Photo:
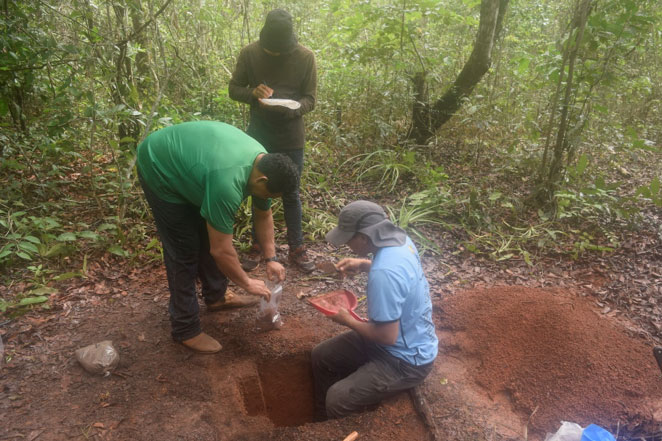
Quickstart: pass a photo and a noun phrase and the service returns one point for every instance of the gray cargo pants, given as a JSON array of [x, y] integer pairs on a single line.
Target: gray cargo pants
[[352, 375]]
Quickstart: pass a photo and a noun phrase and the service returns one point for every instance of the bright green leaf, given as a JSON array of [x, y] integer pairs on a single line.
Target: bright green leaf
[[66, 237], [43, 290], [32, 239], [581, 164], [29, 247], [117, 250], [655, 186], [527, 257], [67, 276], [55, 250], [23, 255], [6, 251], [495, 195], [32, 300], [87, 234]]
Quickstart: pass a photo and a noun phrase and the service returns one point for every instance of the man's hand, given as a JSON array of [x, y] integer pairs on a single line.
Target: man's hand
[[343, 317], [351, 266], [275, 271], [263, 91], [381, 333], [258, 288]]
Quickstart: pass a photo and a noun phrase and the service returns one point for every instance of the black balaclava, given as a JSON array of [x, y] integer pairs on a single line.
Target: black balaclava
[[277, 35]]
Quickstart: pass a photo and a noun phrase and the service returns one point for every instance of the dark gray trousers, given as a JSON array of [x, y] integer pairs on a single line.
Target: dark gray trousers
[[185, 241], [292, 210], [352, 375]]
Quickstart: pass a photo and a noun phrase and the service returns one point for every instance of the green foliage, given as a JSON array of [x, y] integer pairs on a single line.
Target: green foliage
[[389, 169], [652, 192], [29, 237], [423, 208], [384, 167], [75, 101], [19, 306], [317, 223], [587, 242]]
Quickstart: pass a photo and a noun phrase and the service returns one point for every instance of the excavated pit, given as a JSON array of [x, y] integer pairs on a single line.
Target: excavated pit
[[281, 389]]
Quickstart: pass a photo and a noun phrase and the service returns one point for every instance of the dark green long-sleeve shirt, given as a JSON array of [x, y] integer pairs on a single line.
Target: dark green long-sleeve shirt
[[293, 76]]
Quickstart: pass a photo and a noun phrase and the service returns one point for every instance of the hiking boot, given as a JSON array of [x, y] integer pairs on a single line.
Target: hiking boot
[[232, 301], [252, 259], [203, 344], [299, 257]]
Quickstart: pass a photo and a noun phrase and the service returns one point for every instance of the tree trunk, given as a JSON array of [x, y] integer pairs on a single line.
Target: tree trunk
[[421, 125], [561, 145], [427, 119], [140, 80]]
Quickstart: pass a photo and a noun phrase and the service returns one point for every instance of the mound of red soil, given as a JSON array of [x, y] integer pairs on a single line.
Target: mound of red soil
[[555, 357]]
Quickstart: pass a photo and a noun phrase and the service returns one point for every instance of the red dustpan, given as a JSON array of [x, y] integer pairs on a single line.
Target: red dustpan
[[332, 302]]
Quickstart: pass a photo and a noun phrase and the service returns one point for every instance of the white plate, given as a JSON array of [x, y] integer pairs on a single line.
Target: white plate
[[290, 104]]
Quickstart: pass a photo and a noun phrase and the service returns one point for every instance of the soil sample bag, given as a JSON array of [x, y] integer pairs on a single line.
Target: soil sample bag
[[268, 317], [567, 432], [98, 358]]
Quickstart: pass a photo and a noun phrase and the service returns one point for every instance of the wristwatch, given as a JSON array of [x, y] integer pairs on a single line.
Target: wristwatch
[[270, 259]]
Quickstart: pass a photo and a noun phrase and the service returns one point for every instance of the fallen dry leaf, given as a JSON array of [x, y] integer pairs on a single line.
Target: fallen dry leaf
[[34, 434]]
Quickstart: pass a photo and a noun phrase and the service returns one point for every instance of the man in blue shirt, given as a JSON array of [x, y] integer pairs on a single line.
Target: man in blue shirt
[[394, 350]]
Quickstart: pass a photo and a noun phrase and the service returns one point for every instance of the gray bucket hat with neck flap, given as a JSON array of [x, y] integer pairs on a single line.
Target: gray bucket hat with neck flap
[[367, 218]]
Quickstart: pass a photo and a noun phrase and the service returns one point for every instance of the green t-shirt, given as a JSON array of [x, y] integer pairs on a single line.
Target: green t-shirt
[[204, 163]]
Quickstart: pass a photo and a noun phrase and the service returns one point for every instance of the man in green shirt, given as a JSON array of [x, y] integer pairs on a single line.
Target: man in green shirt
[[195, 176]]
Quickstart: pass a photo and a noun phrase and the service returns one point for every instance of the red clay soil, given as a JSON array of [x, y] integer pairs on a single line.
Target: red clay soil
[[259, 387], [554, 357], [504, 353]]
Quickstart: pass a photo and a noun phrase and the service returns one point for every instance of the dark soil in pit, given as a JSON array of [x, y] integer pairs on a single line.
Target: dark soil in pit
[[282, 390], [505, 352]]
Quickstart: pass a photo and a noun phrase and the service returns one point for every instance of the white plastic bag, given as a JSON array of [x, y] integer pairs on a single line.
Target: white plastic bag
[[567, 432], [98, 358], [268, 317]]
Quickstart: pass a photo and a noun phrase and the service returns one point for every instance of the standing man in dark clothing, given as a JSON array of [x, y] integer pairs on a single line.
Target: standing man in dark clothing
[[277, 66]]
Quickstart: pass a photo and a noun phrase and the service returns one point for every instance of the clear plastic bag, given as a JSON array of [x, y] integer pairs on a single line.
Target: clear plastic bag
[[567, 432], [98, 358], [268, 317]]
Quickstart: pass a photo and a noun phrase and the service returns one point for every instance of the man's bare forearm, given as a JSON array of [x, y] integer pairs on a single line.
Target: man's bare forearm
[[264, 232]]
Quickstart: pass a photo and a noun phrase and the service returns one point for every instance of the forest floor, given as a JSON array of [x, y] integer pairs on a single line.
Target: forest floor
[[522, 348]]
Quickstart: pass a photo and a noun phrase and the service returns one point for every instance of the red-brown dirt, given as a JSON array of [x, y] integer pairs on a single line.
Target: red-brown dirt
[[505, 353], [259, 387], [552, 356]]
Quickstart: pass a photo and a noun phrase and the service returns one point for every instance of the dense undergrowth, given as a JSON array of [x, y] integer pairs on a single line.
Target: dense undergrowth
[[61, 225], [80, 89]]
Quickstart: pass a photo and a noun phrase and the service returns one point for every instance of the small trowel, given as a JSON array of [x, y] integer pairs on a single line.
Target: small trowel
[[657, 352], [328, 267]]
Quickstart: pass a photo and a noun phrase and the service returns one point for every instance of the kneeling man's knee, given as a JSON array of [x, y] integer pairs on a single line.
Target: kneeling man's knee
[[338, 402]]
